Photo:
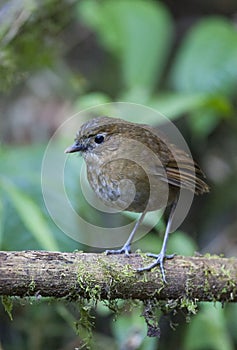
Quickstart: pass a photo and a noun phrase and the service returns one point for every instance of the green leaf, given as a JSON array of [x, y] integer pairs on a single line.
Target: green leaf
[[208, 330], [130, 326], [181, 243], [138, 33], [92, 99], [30, 214], [204, 120], [231, 319], [8, 305], [207, 59], [1, 221], [172, 105]]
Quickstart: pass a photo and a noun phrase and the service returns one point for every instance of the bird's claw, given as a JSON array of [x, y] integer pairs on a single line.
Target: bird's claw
[[126, 250], [160, 256], [159, 261]]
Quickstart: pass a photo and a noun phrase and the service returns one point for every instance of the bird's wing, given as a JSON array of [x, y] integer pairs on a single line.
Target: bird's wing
[[183, 172]]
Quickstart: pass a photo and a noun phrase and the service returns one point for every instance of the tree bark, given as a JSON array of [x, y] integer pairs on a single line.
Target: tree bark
[[97, 276]]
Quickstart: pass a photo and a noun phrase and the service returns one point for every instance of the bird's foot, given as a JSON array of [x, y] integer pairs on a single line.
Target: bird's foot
[[159, 261], [126, 250]]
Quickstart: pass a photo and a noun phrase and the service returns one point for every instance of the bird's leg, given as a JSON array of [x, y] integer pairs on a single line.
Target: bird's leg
[[126, 248], [161, 256]]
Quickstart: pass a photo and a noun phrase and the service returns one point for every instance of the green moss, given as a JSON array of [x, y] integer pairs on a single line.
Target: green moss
[[152, 314], [190, 305], [229, 283], [229, 290], [8, 305], [212, 256], [32, 286], [88, 285], [85, 324], [122, 276]]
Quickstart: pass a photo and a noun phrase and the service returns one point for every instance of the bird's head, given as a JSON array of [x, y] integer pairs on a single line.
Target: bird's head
[[99, 136]]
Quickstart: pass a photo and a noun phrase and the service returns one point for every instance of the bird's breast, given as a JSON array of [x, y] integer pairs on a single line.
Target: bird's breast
[[124, 185]]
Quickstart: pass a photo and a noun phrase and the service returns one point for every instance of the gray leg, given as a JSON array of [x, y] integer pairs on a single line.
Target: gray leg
[[161, 256], [126, 249]]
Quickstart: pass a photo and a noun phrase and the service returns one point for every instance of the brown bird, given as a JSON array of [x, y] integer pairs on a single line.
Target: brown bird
[[133, 167]]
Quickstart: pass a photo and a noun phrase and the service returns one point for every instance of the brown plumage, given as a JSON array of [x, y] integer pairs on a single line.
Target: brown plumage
[[153, 169]]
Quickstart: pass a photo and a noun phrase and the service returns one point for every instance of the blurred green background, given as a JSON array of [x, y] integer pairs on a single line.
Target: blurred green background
[[59, 57]]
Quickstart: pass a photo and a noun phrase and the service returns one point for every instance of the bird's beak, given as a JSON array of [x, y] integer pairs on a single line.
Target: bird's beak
[[73, 148]]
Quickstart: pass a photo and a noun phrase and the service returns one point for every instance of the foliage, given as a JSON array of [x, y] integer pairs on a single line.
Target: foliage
[[191, 79], [30, 215], [25, 44], [25, 222], [121, 28]]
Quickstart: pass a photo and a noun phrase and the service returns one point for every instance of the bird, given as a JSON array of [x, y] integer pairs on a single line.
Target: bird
[[133, 167]]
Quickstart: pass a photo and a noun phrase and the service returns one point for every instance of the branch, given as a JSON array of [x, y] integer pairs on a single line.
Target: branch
[[34, 273]]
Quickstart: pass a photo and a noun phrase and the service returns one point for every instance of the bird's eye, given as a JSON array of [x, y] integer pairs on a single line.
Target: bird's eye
[[99, 139]]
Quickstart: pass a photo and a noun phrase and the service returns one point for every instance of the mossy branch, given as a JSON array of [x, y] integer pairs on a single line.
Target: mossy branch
[[73, 275]]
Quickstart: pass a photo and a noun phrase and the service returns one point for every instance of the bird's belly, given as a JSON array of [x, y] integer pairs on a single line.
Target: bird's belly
[[131, 195]]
